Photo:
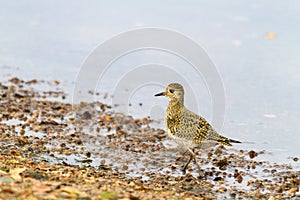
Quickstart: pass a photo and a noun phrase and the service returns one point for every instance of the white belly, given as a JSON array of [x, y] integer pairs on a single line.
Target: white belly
[[181, 141]]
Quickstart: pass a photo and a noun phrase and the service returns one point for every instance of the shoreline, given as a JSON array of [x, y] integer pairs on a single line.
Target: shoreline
[[47, 153]]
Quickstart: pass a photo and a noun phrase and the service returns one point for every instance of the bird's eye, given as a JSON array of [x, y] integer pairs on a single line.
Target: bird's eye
[[171, 90]]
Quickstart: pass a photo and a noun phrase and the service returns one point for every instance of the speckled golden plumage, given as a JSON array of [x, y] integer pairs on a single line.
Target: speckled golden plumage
[[188, 129], [184, 124]]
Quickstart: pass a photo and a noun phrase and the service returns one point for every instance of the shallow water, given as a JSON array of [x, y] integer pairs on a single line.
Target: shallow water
[[260, 71]]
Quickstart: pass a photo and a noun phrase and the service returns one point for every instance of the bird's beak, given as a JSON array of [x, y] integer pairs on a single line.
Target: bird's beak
[[160, 94]]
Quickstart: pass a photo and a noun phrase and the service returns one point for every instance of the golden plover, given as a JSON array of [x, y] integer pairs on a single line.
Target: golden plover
[[186, 128]]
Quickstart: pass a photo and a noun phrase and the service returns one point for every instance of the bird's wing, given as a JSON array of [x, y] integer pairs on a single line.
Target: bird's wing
[[196, 127], [200, 130]]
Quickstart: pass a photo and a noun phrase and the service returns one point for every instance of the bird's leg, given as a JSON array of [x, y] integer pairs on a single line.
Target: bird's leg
[[187, 163], [192, 156], [195, 159]]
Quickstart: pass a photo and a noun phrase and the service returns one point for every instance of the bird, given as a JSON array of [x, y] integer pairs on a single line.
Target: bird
[[186, 128]]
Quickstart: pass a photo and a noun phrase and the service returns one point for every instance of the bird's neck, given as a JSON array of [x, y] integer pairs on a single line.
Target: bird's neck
[[174, 107], [176, 102]]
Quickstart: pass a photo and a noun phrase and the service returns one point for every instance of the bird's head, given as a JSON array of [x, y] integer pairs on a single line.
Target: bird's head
[[174, 92]]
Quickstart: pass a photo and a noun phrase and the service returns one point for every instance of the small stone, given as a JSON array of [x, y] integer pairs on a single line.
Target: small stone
[[292, 191], [252, 154], [63, 145], [278, 189], [271, 198], [295, 159], [120, 133], [22, 131], [108, 118], [222, 164], [124, 167], [88, 154], [218, 178], [86, 115], [222, 189], [239, 178]]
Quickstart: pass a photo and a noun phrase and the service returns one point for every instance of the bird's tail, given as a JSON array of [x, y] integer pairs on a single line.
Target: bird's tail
[[226, 141]]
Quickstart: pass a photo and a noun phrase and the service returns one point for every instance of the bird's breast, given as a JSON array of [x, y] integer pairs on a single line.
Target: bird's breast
[[170, 133]]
